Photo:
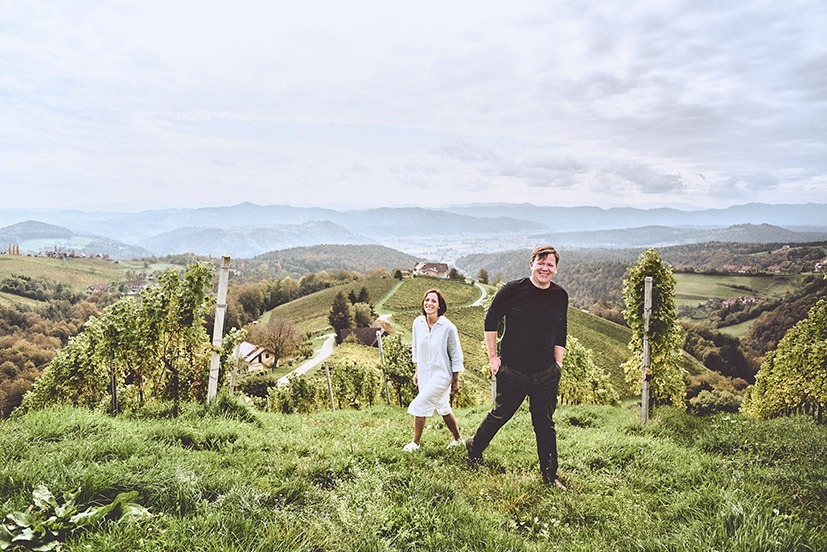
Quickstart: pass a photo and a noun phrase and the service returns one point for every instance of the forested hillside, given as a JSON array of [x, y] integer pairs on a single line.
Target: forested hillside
[[360, 258]]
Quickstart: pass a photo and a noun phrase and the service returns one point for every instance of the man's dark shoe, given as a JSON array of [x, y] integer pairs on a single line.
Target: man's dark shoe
[[553, 481], [474, 460]]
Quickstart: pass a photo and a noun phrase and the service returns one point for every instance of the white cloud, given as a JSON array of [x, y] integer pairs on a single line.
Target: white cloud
[[193, 103]]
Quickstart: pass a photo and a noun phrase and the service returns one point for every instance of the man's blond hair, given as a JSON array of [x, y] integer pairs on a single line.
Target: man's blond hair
[[543, 251]]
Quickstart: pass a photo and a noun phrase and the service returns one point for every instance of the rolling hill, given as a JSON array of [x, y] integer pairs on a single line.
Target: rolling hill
[[34, 237], [317, 258]]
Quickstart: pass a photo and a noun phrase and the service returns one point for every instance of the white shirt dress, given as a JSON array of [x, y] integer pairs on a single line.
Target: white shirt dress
[[437, 354]]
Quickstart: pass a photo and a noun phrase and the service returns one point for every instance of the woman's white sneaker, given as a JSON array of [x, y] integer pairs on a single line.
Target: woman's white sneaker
[[410, 447]]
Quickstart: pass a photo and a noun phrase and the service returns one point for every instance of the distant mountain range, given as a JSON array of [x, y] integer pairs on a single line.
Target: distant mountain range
[[247, 230], [807, 216]]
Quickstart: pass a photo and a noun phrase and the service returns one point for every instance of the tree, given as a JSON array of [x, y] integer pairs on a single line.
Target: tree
[[364, 296], [251, 299], [794, 375], [666, 373], [455, 274], [363, 315], [279, 335], [399, 369], [339, 316], [482, 276]]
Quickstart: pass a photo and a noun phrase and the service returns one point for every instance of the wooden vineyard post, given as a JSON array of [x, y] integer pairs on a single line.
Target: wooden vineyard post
[[218, 328], [384, 374], [647, 312]]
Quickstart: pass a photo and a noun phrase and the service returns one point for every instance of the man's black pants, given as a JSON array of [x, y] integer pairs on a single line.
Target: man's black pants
[[512, 388]]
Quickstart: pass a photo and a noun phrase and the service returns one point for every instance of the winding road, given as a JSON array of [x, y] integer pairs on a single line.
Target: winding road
[[309, 364]]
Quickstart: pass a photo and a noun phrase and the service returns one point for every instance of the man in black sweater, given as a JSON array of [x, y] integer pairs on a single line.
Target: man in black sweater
[[530, 359]]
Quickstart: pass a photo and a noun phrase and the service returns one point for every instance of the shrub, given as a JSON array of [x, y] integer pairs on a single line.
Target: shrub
[[710, 402], [257, 385], [304, 394], [234, 408]]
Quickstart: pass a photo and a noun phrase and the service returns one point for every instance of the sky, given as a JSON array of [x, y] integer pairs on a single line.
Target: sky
[[135, 105]]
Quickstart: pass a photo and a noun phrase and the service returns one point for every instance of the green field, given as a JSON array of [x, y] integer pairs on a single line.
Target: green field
[[737, 330], [409, 295], [226, 480], [693, 289], [78, 274], [310, 312], [25, 302], [608, 342]]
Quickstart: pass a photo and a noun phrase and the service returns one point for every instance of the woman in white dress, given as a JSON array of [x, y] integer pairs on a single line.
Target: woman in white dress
[[438, 359]]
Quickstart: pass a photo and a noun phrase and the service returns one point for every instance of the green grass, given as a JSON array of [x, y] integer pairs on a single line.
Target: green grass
[[309, 313], [25, 302], [339, 481], [409, 295], [77, 274], [737, 330], [692, 289]]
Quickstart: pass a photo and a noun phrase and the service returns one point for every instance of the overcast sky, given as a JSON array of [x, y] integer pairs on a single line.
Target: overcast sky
[[355, 104]]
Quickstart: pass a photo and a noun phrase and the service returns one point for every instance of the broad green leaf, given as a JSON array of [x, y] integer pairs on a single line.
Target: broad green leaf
[[43, 497], [22, 519]]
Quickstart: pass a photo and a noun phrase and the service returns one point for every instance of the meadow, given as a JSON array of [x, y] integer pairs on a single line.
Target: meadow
[[309, 313], [692, 289], [77, 274], [228, 479], [737, 330], [409, 295]]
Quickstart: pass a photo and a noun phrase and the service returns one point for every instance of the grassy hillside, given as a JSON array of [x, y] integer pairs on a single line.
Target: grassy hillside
[[310, 312], [78, 274], [361, 258], [608, 342], [339, 481], [692, 289], [409, 295], [25, 302]]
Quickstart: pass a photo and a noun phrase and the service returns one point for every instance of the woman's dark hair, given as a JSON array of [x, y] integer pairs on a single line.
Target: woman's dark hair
[[443, 306]]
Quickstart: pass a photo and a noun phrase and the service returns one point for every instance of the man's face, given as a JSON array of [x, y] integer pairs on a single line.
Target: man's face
[[543, 269]]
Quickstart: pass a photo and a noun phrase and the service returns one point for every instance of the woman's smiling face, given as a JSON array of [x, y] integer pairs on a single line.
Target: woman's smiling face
[[430, 304]]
